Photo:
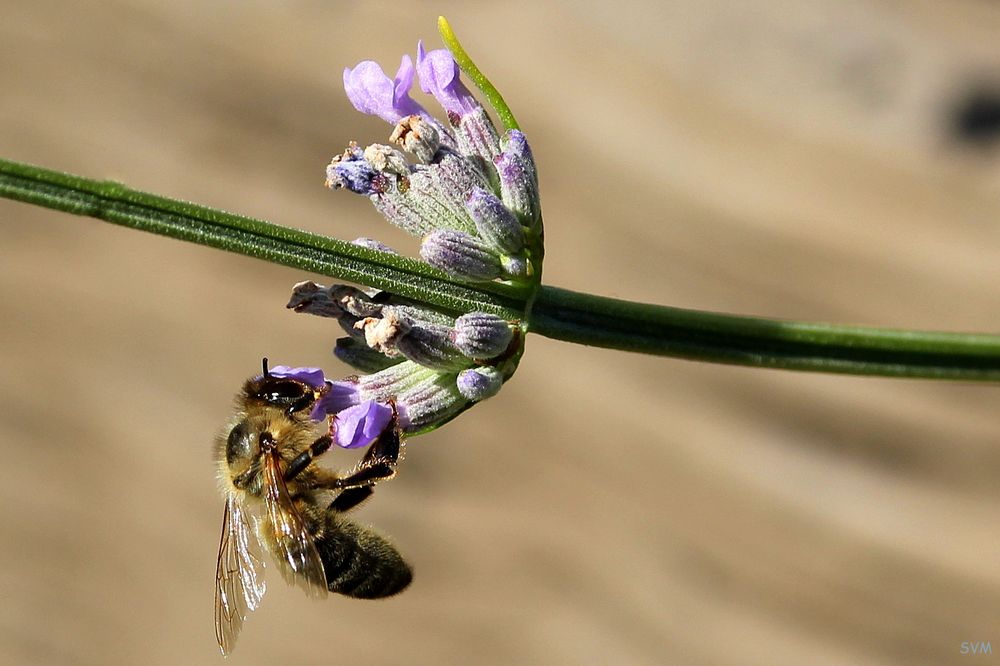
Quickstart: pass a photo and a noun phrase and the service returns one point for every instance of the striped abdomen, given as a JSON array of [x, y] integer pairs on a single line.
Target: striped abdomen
[[359, 562]]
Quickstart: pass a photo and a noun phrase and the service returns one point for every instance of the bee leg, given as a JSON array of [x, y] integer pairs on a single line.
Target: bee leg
[[379, 463], [349, 499], [304, 459]]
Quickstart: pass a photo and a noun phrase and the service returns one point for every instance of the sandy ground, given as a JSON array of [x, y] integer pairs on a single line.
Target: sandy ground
[[798, 160]]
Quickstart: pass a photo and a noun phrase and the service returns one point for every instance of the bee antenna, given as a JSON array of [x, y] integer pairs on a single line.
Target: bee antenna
[[264, 364]]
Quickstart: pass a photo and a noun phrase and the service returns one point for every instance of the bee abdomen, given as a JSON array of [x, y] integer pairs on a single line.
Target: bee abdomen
[[360, 562]]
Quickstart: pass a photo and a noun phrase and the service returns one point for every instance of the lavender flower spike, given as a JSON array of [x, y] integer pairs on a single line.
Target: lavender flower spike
[[371, 91], [439, 77]]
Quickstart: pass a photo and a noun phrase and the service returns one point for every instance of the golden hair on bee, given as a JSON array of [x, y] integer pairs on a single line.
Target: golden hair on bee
[[280, 501]]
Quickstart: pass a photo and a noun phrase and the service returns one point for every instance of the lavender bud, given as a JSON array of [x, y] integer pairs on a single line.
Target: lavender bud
[[479, 383], [494, 221], [360, 356], [430, 346], [518, 178], [418, 136], [481, 336], [477, 137], [461, 255]]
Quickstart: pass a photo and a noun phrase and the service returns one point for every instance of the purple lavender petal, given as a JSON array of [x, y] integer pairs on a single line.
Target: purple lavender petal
[[341, 396], [360, 425], [372, 92], [311, 376], [438, 73], [401, 85]]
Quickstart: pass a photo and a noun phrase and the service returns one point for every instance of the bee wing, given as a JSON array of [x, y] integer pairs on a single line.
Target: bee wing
[[294, 550], [239, 582]]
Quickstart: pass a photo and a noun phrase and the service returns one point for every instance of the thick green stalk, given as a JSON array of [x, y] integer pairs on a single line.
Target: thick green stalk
[[557, 313], [113, 202], [771, 343]]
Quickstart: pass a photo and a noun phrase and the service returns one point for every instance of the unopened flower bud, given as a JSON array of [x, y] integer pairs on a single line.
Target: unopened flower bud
[[360, 356], [418, 136], [518, 178], [494, 221], [478, 384], [430, 346], [461, 255], [481, 336]]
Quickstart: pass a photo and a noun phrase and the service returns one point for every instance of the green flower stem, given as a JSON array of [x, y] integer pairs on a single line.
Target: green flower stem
[[771, 343], [556, 313], [469, 67], [113, 202]]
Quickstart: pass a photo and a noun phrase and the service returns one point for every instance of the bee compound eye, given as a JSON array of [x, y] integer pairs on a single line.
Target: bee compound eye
[[238, 443]]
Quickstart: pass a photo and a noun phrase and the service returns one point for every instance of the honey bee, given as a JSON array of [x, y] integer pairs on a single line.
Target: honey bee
[[277, 499]]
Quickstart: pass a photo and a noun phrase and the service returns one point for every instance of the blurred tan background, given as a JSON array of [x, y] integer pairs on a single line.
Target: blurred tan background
[[828, 160]]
